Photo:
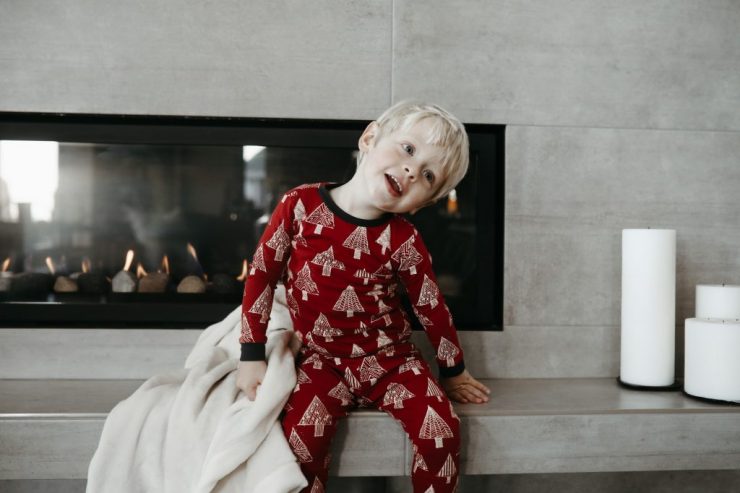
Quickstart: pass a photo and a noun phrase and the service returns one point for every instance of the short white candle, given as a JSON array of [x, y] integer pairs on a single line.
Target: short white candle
[[712, 362], [648, 307], [717, 301]]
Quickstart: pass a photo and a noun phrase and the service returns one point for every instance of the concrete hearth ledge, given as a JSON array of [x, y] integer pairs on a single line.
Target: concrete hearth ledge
[[49, 429]]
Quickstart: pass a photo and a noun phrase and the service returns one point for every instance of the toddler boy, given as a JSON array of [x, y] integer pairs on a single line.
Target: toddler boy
[[342, 249]]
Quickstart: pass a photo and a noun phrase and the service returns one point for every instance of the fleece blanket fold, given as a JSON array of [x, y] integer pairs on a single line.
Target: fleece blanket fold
[[193, 430]]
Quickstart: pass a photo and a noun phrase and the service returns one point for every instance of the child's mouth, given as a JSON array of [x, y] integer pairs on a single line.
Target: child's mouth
[[393, 185]]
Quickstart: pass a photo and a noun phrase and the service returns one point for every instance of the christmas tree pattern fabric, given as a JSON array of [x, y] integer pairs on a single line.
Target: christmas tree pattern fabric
[[342, 276], [401, 385]]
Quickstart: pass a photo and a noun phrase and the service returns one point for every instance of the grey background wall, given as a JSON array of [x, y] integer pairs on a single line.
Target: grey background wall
[[620, 115]]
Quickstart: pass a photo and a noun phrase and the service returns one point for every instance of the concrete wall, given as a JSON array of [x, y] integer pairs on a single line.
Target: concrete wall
[[620, 115]]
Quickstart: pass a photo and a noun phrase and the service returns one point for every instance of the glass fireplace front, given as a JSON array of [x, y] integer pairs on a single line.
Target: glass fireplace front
[[152, 221]]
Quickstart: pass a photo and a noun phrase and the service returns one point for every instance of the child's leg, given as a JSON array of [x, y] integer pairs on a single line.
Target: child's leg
[[310, 418], [426, 414]]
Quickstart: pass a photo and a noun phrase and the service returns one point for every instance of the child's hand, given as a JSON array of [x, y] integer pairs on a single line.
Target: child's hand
[[465, 388], [250, 375]]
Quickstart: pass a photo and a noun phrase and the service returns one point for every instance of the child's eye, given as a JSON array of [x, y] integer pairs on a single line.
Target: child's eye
[[429, 176], [409, 149]]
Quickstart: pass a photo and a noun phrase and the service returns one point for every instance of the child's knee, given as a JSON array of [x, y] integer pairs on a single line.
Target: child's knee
[[438, 438]]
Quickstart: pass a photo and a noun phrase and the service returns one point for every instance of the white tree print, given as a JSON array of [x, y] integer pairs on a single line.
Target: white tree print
[[422, 319], [292, 303], [258, 262], [327, 261], [395, 394], [317, 416], [384, 240], [385, 271], [302, 377], [280, 241], [299, 448], [383, 339], [419, 463], [406, 332], [388, 351], [448, 469], [434, 428], [304, 282], [324, 329], [364, 275], [247, 335], [386, 318], [357, 241], [430, 489], [407, 256], [314, 360], [348, 302], [413, 365], [262, 305], [299, 211], [362, 329], [321, 216], [433, 390], [350, 378], [429, 293], [447, 351], [341, 392], [376, 292], [357, 351], [317, 486], [370, 370]]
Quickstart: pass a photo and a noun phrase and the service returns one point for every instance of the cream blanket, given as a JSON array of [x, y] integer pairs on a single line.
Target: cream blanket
[[192, 430]]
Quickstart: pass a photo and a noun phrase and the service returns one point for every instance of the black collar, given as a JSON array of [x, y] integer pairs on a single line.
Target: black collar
[[324, 192]]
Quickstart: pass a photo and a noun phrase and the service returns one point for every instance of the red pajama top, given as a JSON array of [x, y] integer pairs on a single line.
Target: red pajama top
[[341, 275]]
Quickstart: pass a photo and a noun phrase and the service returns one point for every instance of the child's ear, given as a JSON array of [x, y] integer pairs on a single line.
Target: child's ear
[[367, 139]]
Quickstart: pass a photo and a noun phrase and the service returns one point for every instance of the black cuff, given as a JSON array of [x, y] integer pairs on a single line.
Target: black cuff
[[452, 371], [253, 351]]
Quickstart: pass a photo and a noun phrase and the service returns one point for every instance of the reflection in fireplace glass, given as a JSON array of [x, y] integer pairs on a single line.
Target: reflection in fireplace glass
[[71, 213]]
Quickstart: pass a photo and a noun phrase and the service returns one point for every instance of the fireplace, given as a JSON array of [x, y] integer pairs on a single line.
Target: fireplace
[[151, 221]]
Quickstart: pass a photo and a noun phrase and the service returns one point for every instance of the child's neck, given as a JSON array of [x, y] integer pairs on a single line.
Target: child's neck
[[349, 198]]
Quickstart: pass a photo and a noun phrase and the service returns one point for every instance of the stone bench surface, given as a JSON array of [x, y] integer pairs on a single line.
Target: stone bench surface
[[49, 429]]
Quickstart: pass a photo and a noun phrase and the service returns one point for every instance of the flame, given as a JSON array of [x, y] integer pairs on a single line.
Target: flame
[[191, 251], [50, 265], [86, 265], [243, 276], [140, 272], [129, 259], [452, 202], [6, 264], [165, 265]]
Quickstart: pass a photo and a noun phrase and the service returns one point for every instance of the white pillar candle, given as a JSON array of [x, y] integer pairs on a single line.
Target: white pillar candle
[[712, 362], [648, 307], [717, 301]]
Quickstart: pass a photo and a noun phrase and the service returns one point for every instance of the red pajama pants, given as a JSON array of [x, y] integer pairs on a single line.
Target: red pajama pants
[[401, 385]]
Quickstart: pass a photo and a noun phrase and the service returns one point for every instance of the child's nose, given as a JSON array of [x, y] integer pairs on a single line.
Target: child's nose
[[410, 171]]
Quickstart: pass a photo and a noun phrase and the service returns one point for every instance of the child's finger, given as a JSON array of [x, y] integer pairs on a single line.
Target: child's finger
[[477, 394]]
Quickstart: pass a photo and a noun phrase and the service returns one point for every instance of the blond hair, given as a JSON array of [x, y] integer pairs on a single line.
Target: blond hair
[[446, 131]]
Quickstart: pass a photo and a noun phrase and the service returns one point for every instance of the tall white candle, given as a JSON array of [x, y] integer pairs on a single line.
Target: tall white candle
[[648, 307], [717, 301], [712, 362]]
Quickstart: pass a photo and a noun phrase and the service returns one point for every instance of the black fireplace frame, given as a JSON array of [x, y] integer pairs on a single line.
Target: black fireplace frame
[[486, 142]]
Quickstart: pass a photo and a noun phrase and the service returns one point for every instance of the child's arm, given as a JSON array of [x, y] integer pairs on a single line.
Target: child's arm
[[414, 267], [268, 263]]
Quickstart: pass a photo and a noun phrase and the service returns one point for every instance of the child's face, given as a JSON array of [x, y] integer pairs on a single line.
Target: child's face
[[401, 171]]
